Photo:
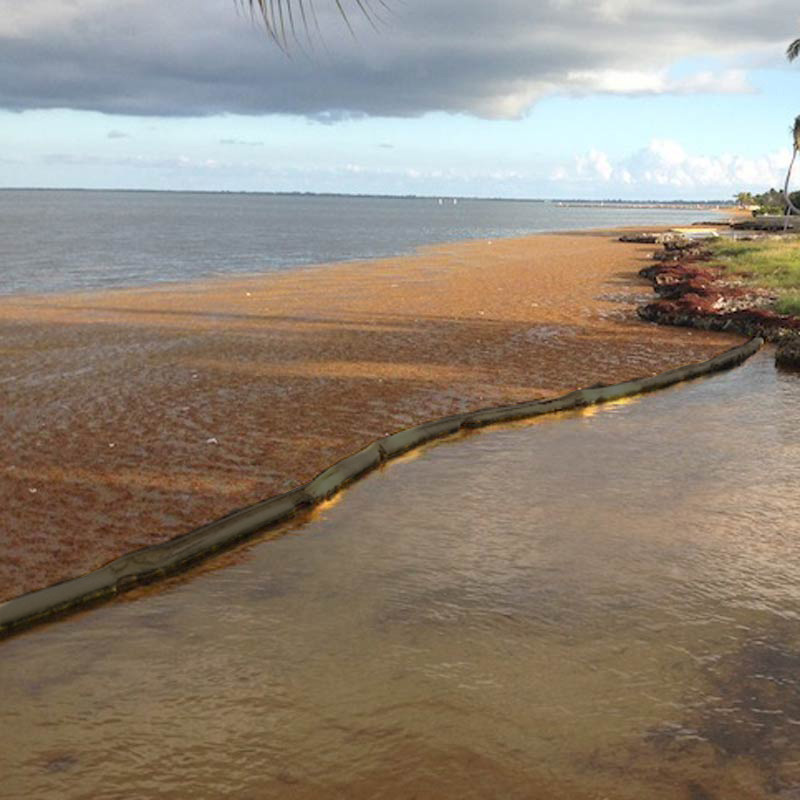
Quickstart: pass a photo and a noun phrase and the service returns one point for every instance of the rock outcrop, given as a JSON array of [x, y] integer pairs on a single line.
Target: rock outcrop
[[702, 297], [651, 238], [788, 352]]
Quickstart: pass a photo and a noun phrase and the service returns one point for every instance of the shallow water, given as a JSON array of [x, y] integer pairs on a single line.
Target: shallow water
[[599, 605]]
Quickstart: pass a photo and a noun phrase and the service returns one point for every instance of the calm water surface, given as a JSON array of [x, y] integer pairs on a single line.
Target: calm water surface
[[600, 605], [71, 240]]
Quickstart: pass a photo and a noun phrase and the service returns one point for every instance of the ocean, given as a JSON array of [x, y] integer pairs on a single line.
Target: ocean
[[56, 241]]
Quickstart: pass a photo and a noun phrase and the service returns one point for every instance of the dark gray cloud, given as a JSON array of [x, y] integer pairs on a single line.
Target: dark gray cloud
[[494, 59]]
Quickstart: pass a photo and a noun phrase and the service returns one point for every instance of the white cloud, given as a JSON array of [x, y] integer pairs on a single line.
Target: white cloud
[[617, 81], [667, 151], [594, 164], [242, 142], [180, 162], [637, 82], [730, 81], [665, 165]]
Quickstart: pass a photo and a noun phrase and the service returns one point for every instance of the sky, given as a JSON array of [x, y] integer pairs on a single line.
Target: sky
[[598, 99]]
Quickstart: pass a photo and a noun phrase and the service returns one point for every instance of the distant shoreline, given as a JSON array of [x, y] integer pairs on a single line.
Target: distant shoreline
[[710, 205]]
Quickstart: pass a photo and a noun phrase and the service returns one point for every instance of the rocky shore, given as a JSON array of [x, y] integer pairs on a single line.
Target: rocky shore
[[694, 293]]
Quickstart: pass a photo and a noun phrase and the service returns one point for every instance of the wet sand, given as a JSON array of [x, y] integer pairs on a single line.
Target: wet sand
[[132, 416]]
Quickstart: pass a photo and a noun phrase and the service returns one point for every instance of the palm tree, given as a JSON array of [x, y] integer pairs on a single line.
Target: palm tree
[[284, 18], [792, 52], [791, 208]]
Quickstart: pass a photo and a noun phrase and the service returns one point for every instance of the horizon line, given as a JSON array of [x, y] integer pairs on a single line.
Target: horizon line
[[298, 193]]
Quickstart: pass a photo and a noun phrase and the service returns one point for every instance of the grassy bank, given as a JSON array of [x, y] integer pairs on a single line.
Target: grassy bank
[[772, 264]]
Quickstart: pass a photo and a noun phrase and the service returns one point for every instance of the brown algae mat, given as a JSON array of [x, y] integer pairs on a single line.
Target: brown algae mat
[[132, 416]]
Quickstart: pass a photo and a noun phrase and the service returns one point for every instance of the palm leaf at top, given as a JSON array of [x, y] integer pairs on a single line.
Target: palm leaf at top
[[286, 20]]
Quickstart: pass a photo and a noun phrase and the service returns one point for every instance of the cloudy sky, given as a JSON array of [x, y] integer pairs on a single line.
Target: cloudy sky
[[514, 98]]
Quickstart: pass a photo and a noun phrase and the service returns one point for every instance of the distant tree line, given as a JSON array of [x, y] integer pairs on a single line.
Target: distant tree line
[[770, 202]]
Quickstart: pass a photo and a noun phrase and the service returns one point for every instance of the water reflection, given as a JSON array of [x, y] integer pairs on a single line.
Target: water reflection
[[600, 605]]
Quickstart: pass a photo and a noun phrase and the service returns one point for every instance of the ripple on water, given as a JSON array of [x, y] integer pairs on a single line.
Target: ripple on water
[[599, 605]]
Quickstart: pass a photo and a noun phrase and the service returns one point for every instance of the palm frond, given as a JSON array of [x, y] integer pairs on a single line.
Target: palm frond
[[793, 50], [278, 17]]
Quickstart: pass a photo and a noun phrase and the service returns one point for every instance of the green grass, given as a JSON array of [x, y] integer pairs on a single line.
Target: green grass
[[773, 263], [788, 303]]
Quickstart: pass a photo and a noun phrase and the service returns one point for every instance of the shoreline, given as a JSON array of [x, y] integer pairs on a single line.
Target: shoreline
[[693, 290], [184, 240], [133, 416], [158, 562], [223, 279]]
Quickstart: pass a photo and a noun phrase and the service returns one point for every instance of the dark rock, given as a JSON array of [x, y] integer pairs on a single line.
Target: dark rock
[[694, 311], [698, 792], [648, 273], [652, 238], [676, 273], [640, 238], [683, 252], [667, 255], [768, 222], [700, 298], [788, 353]]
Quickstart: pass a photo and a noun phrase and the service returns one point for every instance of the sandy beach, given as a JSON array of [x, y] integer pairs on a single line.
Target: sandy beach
[[132, 416]]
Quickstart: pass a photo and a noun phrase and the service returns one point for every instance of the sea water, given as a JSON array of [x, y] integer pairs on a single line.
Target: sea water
[[598, 604], [55, 241]]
